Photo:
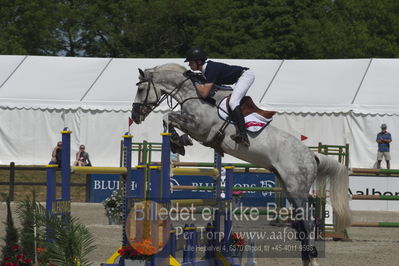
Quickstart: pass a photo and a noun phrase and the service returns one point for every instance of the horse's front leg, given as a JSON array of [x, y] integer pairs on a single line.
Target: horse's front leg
[[171, 121]]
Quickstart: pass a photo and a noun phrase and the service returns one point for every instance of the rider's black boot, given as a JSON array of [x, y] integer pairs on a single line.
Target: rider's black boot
[[241, 134]]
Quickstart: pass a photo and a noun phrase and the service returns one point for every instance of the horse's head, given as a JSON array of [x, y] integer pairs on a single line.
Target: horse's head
[[150, 88], [147, 96]]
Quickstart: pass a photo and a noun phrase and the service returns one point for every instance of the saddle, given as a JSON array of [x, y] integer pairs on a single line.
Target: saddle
[[248, 107], [256, 119]]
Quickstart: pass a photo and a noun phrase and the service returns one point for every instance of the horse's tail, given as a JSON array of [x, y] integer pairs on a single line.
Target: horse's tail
[[338, 177]]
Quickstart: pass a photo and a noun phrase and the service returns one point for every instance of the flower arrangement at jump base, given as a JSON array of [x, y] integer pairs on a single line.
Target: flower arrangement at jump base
[[114, 207], [237, 244], [237, 195], [19, 259], [141, 251]]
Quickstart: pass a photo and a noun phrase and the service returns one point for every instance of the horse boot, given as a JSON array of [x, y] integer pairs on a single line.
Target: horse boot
[[241, 134]]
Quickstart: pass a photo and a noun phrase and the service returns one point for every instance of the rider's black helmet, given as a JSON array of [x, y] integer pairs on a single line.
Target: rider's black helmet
[[195, 54]]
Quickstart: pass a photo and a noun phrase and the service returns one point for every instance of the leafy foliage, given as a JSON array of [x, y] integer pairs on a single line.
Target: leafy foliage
[[59, 241], [10, 249], [70, 241], [225, 28], [27, 216]]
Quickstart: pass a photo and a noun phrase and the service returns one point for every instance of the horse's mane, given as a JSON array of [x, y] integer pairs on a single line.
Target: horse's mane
[[170, 67]]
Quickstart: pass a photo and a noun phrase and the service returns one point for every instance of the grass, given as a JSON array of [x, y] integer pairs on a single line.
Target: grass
[[78, 194]]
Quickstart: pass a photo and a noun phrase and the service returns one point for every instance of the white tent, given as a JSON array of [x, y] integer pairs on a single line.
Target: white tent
[[329, 101]]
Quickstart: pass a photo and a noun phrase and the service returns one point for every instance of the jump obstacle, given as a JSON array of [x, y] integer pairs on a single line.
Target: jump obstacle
[[61, 206], [366, 171], [157, 189]]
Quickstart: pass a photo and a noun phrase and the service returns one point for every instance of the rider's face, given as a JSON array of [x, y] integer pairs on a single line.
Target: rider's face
[[194, 65]]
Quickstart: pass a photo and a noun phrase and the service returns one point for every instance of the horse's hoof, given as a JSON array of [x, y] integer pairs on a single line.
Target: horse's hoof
[[310, 262], [175, 137], [181, 150], [313, 262], [173, 147], [186, 140], [177, 149]]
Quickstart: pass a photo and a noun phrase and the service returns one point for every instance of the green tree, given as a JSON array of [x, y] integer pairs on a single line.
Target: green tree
[[247, 29], [137, 28], [350, 29], [226, 29], [27, 27], [69, 16]]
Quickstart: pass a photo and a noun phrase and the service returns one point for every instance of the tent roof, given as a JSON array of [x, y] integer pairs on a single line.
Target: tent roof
[[316, 86]]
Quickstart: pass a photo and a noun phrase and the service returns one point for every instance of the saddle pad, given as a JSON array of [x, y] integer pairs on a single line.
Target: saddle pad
[[253, 122]]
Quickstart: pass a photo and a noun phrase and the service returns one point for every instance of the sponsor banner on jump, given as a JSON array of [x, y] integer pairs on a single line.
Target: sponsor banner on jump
[[374, 185], [102, 185], [245, 180]]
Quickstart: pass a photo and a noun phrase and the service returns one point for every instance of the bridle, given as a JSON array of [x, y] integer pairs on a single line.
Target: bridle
[[145, 102], [169, 96]]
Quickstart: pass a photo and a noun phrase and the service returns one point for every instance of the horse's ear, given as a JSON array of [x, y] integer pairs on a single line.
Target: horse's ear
[[141, 73]]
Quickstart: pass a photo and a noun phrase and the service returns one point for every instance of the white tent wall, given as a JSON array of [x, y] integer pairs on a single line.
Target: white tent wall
[[315, 86], [324, 128], [357, 130], [28, 136], [101, 133], [329, 101], [363, 130], [26, 142]]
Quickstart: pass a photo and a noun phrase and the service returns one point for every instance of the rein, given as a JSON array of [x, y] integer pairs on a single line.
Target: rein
[[219, 136], [168, 96]]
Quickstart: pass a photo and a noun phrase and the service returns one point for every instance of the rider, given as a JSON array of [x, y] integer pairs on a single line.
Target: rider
[[217, 73]]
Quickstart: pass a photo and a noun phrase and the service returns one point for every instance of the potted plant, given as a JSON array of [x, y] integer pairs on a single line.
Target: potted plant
[[114, 207], [137, 255]]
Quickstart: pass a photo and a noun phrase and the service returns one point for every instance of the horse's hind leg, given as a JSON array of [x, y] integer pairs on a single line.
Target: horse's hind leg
[[305, 225], [296, 186]]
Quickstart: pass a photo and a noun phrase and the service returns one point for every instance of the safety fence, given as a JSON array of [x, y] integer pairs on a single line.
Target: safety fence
[[9, 178]]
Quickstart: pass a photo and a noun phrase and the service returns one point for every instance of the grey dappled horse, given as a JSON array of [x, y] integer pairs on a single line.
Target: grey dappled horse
[[294, 164]]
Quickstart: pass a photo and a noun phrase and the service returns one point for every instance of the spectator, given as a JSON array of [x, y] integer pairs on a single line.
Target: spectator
[[383, 140], [82, 157], [56, 155]]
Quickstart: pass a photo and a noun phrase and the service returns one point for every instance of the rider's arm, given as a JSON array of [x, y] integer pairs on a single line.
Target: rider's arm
[[203, 89]]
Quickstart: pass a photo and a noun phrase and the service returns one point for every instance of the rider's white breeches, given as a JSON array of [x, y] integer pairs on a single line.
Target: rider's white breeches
[[241, 87]]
